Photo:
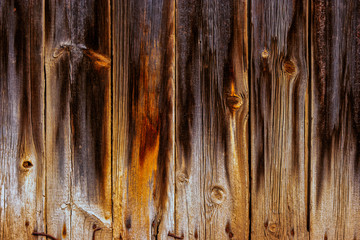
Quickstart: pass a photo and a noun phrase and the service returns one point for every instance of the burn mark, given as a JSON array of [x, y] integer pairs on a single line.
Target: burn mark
[[336, 88], [188, 81], [165, 103], [89, 117], [262, 95]]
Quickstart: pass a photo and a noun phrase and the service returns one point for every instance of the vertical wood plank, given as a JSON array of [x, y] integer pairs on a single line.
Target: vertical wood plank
[[279, 78], [335, 126], [143, 129], [225, 111], [212, 181], [22, 174], [78, 117], [189, 194], [58, 128]]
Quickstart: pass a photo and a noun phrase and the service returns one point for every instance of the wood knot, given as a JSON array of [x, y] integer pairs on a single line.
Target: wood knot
[[289, 67], [182, 177], [266, 224], [128, 222], [234, 102], [27, 164], [265, 54], [217, 195], [273, 227]]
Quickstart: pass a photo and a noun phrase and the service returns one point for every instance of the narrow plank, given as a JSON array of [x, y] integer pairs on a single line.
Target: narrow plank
[[22, 174], [58, 128], [78, 97], [335, 126], [143, 129], [279, 80], [189, 194], [225, 110], [212, 181]]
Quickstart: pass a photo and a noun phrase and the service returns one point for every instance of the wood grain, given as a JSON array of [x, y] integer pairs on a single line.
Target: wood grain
[[143, 129], [212, 180], [335, 126], [279, 79], [189, 195], [22, 85], [78, 118]]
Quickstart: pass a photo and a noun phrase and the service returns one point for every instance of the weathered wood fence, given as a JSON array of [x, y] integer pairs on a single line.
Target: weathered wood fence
[[180, 119]]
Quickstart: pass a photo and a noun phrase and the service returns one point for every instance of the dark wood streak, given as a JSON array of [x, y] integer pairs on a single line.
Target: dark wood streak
[[22, 137], [144, 133], [77, 62], [335, 113], [90, 95], [278, 119], [189, 129], [212, 110]]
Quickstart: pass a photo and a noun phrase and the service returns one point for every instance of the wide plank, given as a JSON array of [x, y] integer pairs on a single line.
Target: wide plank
[[335, 126], [279, 111], [212, 174], [143, 118], [189, 194], [22, 138], [78, 118]]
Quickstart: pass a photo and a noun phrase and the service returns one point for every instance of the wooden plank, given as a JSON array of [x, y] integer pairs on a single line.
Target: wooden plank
[[335, 126], [143, 129], [189, 195], [279, 78], [78, 117], [58, 128], [22, 174], [212, 181]]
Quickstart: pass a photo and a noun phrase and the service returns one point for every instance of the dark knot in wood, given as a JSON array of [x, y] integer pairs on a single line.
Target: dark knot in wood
[[27, 164], [289, 67], [234, 102]]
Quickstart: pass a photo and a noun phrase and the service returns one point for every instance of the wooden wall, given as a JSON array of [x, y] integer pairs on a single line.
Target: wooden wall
[[180, 119]]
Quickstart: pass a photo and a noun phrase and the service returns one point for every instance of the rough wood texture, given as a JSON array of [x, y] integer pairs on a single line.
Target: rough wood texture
[[189, 194], [143, 120], [21, 119], [78, 118], [211, 127], [279, 77], [335, 128], [130, 119]]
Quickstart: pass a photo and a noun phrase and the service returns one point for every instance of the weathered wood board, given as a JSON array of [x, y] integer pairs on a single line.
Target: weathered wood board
[[22, 168], [279, 80], [129, 119], [212, 177], [335, 126], [143, 118], [78, 118]]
